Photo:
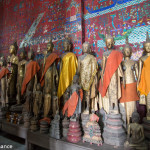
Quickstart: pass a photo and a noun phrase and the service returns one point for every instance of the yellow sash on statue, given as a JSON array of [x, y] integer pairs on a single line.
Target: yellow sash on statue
[[69, 67], [144, 85]]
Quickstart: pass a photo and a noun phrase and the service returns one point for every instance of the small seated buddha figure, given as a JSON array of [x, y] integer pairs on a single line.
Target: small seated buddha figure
[[135, 137]]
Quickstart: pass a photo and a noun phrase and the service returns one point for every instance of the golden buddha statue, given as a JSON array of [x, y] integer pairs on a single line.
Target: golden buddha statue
[[68, 67], [109, 86], [12, 78], [135, 135], [21, 73], [47, 102], [143, 79], [29, 83], [37, 102], [49, 77], [31, 70], [55, 105], [87, 70], [3, 75], [129, 89]]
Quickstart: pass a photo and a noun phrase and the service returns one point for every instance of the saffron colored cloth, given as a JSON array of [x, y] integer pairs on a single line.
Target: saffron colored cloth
[[94, 117], [49, 61], [144, 85], [71, 104], [3, 72], [112, 64], [68, 70], [31, 69], [81, 94], [129, 93]]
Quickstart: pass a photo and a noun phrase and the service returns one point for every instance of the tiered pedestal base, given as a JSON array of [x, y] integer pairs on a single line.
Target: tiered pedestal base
[[65, 127], [74, 132], [85, 119], [146, 125], [114, 133], [92, 133], [55, 129]]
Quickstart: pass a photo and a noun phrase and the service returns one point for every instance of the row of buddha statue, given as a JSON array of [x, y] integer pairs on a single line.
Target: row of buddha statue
[[71, 86]]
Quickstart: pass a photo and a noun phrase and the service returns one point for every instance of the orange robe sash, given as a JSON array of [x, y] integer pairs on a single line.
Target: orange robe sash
[[49, 61], [144, 85], [31, 69], [112, 64], [129, 93], [3, 72], [71, 104]]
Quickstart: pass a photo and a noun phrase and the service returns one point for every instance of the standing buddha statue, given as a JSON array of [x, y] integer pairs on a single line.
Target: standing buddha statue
[[129, 89], [12, 78], [49, 77], [68, 67], [87, 70], [30, 78], [21, 73], [110, 77], [3, 74], [143, 79], [37, 104]]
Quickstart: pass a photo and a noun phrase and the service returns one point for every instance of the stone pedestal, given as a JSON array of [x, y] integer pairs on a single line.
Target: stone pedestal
[[55, 127], [26, 120], [65, 127], [74, 132], [34, 125], [146, 125], [84, 120], [114, 133], [44, 126]]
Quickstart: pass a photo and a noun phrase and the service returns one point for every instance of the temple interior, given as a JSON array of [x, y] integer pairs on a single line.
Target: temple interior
[[74, 74]]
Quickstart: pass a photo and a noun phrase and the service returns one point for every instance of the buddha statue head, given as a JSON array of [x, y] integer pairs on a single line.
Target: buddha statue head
[[2, 61], [127, 50], [86, 47], [22, 53], [13, 48], [146, 45], [67, 45], [135, 117], [109, 40], [50, 46], [31, 54]]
